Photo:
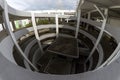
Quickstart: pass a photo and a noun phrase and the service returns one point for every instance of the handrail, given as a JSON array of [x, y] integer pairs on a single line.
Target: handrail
[[72, 28], [111, 58], [101, 32], [44, 26], [78, 18], [36, 32]]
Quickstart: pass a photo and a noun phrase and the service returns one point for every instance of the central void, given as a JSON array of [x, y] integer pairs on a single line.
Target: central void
[[62, 57], [65, 46]]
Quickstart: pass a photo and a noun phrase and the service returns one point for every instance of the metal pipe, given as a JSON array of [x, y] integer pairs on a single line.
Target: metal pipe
[[7, 24], [78, 18], [88, 17], [101, 32], [36, 32], [78, 23], [99, 10]]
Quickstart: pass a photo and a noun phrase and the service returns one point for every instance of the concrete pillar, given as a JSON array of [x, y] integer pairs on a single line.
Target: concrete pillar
[[57, 25], [84, 24], [67, 20], [88, 17], [61, 19], [48, 12]]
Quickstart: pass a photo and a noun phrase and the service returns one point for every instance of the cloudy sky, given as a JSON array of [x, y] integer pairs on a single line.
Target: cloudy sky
[[42, 4]]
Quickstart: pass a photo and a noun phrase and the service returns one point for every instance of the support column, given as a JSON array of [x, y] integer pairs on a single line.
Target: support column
[[84, 24], [62, 13], [78, 23], [36, 32], [57, 25], [67, 20], [61, 19], [88, 17], [78, 17], [7, 25], [101, 32]]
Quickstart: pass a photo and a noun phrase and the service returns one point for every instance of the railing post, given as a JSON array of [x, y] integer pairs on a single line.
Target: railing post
[[78, 17], [88, 17], [104, 16], [36, 32], [67, 20], [57, 25], [7, 25]]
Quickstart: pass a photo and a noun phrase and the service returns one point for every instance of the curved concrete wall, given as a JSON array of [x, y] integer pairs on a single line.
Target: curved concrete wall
[[8, 53], [10, 71]]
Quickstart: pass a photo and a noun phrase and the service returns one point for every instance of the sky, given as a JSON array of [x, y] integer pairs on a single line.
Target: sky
[[27, 5]]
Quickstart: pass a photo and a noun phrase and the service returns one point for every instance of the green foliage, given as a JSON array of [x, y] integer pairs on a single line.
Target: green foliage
[[42, 22], [28, 25], [45, 21]]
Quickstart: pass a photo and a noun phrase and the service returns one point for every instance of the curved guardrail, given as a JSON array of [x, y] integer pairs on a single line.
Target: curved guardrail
[[22, 32]]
